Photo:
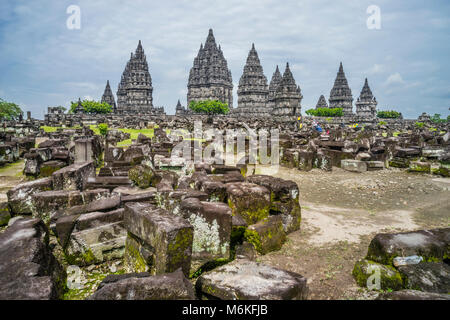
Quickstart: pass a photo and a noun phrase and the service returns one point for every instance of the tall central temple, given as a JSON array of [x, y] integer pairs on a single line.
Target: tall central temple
[[210, 78], [135, 87]]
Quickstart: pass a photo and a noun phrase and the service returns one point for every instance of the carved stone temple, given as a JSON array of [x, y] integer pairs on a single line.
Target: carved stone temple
[[210, 78], [108, 97], [322, 103], [366, 105], [288, 96], [341, 95], [135, 88]]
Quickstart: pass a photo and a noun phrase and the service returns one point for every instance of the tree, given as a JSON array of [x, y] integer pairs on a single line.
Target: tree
[[209, 107], [9, 110], [90, 106], [437, 118]]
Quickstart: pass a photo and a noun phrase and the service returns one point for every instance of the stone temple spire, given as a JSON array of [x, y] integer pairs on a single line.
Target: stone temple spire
[[322, 103], [253, 89], [366, 105], [274, 82], [108, 97], [288, 95], [135, 87], [341, 95], [209, 77]]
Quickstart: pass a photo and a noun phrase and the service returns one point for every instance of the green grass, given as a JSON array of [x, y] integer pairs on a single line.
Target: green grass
[[54, 129]]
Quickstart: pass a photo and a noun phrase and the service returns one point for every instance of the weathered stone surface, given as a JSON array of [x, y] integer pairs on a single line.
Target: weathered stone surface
[[96, 237], [20, 197], [412, 295], [427, 276], [169, 235], [212, 222], [29, 271], [375, 165], [5, 215], [47, 168], [46, 205], [143, 176], [354, 165], [284, 195], [267, 235], [247, 280], [249, 200], [102, 204], [432, 245], [168, 286], [73, 177], [390, 278], [418, 166]]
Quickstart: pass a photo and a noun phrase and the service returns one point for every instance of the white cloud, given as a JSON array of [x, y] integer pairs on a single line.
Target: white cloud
[[394, 78]]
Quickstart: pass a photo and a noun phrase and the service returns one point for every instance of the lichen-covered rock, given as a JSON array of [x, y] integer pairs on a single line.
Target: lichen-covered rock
[[412, 295], [168, 286], [92, 237], [5, 215], [212, 222], [284, 195], [389, 277], [432, 245], [20, 197], [29, 271], [47, 204], [427, 276], [73, 177], [249, 200], [247, 280], [267, 235], [354, 165], [143, 176], [418, 166], [47, 168], [169, 235]]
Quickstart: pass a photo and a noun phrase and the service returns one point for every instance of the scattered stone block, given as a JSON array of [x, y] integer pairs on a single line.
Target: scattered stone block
[[20, 197], [354, 165], [412, 295], [375, 165], [248, 280], [418, 166], [168, 286], [267, 235], [47, 168], [390, 278], [427, 276], [170, 236], [73, 177], [249, 200]]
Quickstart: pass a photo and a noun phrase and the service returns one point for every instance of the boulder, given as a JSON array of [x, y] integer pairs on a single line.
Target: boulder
[[412, 295], [390, 278], [248, 280], [427, 276]]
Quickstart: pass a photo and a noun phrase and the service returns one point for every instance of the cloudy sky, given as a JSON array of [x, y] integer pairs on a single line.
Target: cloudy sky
[[43, 63]]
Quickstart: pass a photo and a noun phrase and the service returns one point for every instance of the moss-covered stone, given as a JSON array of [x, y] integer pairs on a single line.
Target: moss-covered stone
[[5, 215], [143, 176], [267, 235], [389, 277]]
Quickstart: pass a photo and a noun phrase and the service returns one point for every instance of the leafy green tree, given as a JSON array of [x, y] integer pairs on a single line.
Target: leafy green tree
[[209, 107], [390, 114], [103, 128], [9, 110], [92, 107], [437, 118], [325, 112]]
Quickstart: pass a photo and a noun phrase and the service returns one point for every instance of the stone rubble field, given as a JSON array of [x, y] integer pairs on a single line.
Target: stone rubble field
[[89, 219]]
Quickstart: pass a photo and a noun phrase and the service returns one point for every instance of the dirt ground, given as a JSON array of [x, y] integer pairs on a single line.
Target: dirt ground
[[342, 211]]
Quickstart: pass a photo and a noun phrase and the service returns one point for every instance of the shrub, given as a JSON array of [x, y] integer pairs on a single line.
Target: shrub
[[92, 107], [325, 112], [209, 107], [419, 124], [391, 114], [382, 123], [9, 110], [103, 128]]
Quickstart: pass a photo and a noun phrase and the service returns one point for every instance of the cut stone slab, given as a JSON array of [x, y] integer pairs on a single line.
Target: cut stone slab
[[267, 235], [169, 235], [29, 271], [390, 278], [73, 177], [354, 165], [102, 204], [427, 276], [20, 197], [432, 245], [168, 286], [375, 165], [249, 200], [248, 280], [47, 204], [47, 168], [212, 222], [412, 295], [418, 166]]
